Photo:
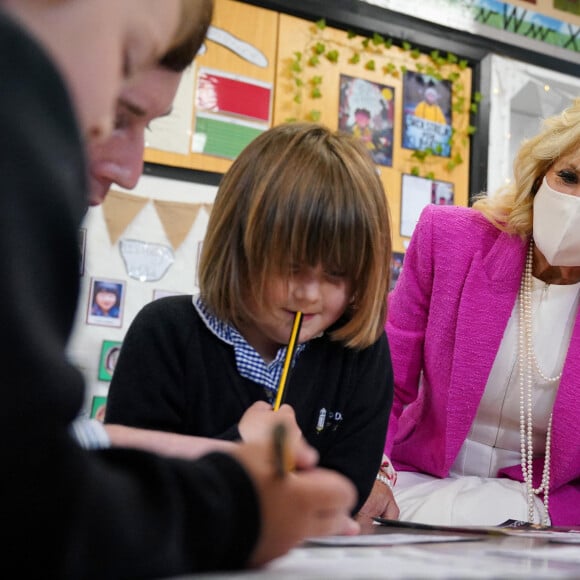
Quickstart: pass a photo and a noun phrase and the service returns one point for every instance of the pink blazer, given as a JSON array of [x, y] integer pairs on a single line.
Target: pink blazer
[[446, 319]]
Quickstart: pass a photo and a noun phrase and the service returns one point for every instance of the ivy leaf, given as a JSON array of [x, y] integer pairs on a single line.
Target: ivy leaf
[[430, 176], [298, 98], [406, 46], [388, 42], [316, 81], [298, 55], [462, 64], [471, 130], [315, 93], [350, 34], [318, 48], [355, 58], [451, 58], [415, 171], [377, 39], [415, 53], [477, 96], [434, 54], [314, 116], [365, 42], [332, 55], [370, 65], [298, 81], [313, 60], [295, 67], [321, 24], [473, 107]]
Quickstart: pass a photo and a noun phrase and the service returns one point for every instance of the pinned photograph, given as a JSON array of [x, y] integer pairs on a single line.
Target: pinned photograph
[[98, 408], [417, 192], [427, 113], [106, 302], [366, 110], [108, 361]]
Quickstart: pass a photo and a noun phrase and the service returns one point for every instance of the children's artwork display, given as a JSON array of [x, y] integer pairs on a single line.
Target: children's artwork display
[[366, 110], [427, 113], [416, 193], [231, 110]]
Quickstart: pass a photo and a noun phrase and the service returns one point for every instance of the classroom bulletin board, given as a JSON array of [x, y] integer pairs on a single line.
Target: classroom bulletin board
[[252, 52]]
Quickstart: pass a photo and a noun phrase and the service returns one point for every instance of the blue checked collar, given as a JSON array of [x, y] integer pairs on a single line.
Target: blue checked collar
[[248, 362]]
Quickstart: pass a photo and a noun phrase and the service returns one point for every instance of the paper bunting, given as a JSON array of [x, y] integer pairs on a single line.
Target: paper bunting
[[177, 218], [120, 209]]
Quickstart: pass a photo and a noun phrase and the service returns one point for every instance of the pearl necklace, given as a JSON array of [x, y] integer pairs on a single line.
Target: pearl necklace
[[528, 363]]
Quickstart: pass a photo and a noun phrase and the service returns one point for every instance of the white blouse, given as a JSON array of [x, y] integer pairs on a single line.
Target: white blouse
[[493, 441]]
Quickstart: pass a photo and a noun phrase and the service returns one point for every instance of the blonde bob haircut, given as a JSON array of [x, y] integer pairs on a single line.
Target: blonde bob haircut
[[300, 194], [511, 208]]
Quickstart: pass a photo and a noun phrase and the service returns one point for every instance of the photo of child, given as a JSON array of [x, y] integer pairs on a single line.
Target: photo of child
[[106, 302], [427, 113], [366, 110]]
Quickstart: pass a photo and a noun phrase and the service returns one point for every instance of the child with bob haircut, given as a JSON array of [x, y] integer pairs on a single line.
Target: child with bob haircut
[[300, 223]]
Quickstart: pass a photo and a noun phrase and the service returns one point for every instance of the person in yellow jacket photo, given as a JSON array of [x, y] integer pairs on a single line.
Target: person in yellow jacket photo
[[428, 108]]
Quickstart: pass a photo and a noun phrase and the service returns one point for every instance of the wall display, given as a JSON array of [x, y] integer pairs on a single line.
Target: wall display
[[416, 193], [366, 109], [318, 63], [108, 360], [231, 111], [240, 55], [533, 28], [106, 302], [427, 113], [145, 261]]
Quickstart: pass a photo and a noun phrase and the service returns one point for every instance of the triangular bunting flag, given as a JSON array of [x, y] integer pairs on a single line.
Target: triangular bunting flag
[[120, 209], [177, 219]]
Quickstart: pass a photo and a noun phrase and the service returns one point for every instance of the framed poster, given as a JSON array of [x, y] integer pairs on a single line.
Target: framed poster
[[366, 110]]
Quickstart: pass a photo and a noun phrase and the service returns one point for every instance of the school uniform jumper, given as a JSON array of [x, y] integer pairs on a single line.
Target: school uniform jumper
[[174, 374]]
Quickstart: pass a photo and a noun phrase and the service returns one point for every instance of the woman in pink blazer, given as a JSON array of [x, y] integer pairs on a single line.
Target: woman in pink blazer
[[485, 341]]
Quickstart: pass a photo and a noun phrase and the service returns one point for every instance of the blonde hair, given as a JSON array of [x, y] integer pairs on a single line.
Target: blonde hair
[[300, 194], [511, 208]]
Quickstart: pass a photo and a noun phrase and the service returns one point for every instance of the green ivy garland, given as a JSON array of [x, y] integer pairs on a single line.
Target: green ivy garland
[[318, 48]]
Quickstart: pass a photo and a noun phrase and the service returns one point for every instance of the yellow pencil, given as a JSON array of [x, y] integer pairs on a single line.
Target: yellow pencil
[[288, 360]]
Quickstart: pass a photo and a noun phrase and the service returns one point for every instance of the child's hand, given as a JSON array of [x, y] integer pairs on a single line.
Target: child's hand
[[257, 423], [314, 502]]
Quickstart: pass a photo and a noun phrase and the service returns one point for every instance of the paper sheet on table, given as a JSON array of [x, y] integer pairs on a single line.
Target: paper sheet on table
[[560, 554], [386, 539]]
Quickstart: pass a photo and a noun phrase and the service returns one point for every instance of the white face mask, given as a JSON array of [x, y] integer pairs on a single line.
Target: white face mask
[[557, 226]]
